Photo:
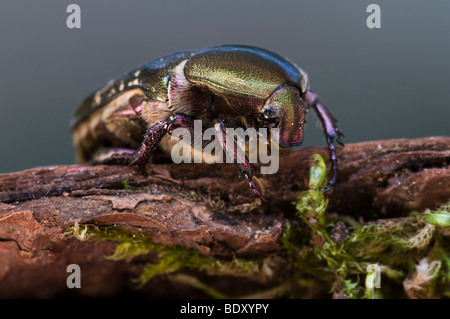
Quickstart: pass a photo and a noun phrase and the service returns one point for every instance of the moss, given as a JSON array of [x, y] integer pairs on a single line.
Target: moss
[[377, 243], [326, 254], [397, 148], [130, 187], [170, 258]]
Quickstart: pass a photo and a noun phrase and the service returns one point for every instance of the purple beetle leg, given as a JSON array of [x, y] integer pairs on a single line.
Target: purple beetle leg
[[239, 157], [331, 131], [155, 134], [113, 156]]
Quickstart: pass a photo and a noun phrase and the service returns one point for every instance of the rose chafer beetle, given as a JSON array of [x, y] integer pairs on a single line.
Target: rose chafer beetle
[[228, 86]]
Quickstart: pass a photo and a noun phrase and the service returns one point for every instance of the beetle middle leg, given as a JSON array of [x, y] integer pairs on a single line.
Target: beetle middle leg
[[240, 158], [156, 133], [331, 131]]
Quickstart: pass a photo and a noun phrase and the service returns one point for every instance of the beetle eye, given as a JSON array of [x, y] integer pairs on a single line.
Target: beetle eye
[[269, 112]]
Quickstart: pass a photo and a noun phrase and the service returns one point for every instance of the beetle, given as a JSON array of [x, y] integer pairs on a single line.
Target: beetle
[[228, 86]]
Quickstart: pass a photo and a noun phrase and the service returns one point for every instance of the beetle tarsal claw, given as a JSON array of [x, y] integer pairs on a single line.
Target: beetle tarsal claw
[[337, 136], [256, 186], [325, 188]]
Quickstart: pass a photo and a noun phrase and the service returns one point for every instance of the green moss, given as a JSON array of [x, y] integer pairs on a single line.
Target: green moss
[[397, 148], [130, 187], [439, 217], [322, 252], [380, 242], [170, 258]]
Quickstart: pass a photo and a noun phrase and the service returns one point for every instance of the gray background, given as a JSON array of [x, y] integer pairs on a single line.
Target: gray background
[[383, 83]]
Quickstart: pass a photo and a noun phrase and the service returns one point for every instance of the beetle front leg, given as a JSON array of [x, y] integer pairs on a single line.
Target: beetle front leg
[[331, 131], [156, 133], [239, 157]]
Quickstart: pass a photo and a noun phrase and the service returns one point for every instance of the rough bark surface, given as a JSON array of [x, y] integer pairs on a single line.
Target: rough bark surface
[[206, 207]]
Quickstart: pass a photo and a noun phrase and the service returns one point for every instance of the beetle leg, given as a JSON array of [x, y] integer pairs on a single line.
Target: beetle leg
[[239, 157], [155, 134], [113, 156], [331, 131]]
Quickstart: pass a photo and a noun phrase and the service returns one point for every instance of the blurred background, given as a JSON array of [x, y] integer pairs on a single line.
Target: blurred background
[[383, 83]]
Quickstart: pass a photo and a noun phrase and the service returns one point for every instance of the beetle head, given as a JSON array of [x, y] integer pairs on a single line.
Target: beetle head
[[286, 108]]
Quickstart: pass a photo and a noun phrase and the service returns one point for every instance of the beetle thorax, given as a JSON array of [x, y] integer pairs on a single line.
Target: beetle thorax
[[184, 96]]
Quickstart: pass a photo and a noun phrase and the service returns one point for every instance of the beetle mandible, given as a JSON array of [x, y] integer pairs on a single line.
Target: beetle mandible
[[226, 86]]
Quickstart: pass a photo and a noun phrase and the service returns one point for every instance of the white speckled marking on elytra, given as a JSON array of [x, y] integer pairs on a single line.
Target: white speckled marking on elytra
[[137, 73], [122, 86], [97, 98]]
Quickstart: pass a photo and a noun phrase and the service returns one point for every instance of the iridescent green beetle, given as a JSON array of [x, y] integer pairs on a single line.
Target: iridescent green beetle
[[224, 86]]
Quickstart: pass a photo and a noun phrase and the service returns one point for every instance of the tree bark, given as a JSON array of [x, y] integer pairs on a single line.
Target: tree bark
[[205, 207]]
